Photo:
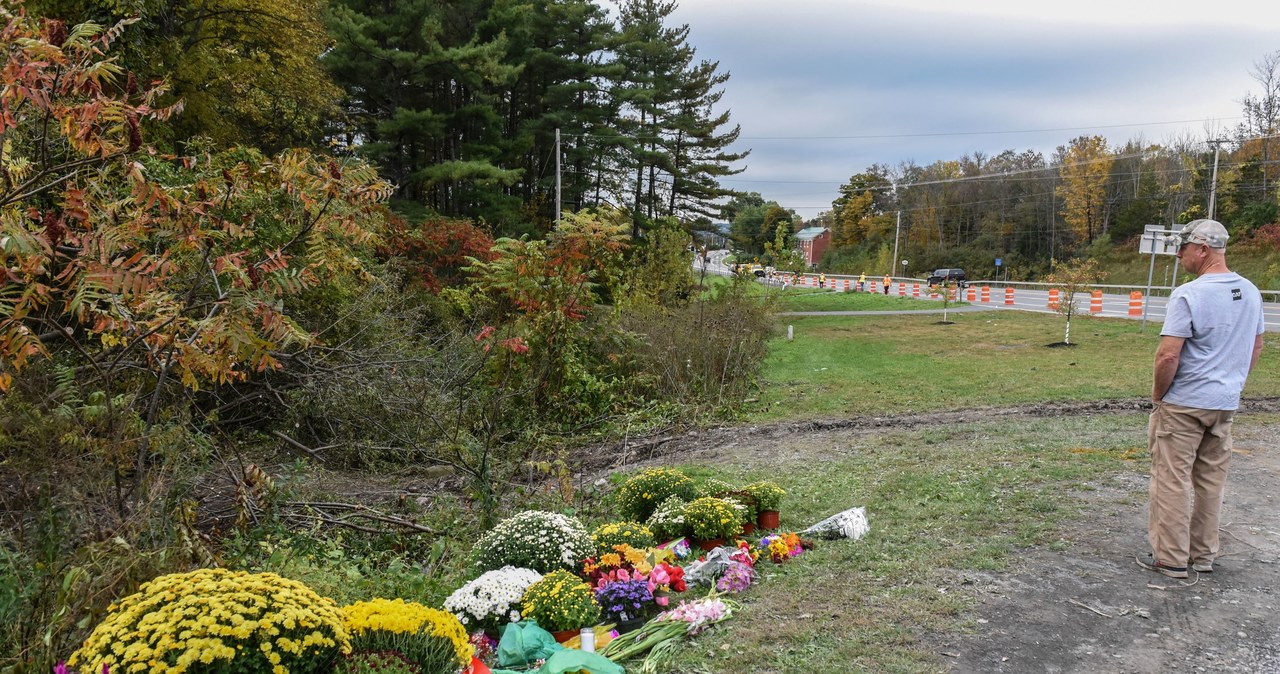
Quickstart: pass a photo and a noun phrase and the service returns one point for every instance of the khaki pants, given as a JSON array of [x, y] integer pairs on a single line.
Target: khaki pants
[[1190, 449]]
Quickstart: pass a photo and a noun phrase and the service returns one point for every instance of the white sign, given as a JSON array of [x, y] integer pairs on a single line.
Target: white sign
[[1156, 240]]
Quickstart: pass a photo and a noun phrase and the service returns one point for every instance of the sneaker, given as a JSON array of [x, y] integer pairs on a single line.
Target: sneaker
[[1149, 562], [1202, 567]]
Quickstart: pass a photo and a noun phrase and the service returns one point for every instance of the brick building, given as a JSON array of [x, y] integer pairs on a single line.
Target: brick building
[[812, 242]]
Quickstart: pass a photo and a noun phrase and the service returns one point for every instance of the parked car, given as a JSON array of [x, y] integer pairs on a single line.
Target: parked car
[[956, 276]]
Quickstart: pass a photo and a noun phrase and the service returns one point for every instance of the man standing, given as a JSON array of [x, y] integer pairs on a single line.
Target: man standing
[[862, 282], [887, 281], [1211, 339]]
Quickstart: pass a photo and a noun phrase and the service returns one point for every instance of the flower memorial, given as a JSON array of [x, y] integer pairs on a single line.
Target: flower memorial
[[612, 534], [214, 620], [430, 638], [640, 495], [493, 599], [710, 518], [535, 540], [561, 601]]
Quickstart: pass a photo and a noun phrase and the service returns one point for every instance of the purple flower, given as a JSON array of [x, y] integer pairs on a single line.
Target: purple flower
[[736, 578], [624, 597]]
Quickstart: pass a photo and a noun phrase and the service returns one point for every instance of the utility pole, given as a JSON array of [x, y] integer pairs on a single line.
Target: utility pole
[[1213, 182], [557, 175], [896, 230]]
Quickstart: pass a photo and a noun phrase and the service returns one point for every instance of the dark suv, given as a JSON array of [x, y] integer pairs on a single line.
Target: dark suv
[[955, 276]]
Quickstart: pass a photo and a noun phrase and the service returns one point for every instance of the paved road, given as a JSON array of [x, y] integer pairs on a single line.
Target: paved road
[[1024, 299]]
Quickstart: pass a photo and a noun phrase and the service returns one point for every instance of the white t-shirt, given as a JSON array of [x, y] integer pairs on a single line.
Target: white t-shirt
[[1220, 315]]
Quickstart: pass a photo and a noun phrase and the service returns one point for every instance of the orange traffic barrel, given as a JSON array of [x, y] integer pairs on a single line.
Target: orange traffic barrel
[[915, 289], [973, 294], [986, 293], [1053, 298], [951, 292], [1095, 302], [902, 289], [1008, 296], [1135, 303]]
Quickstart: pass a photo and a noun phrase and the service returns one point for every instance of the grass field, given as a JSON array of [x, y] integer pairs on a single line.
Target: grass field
[[866, 365]]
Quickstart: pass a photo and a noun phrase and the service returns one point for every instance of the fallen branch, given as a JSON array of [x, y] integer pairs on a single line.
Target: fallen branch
[[324, 509], [1086, 606], [315, 453]]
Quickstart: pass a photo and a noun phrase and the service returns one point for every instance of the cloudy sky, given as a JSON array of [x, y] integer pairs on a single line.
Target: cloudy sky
[[825, 88]]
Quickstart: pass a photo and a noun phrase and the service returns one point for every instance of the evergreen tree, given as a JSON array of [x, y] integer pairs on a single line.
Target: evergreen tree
[[420, 98]]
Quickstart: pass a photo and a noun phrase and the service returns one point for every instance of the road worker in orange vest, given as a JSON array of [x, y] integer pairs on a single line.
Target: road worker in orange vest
[[887, 281], [862, 282]]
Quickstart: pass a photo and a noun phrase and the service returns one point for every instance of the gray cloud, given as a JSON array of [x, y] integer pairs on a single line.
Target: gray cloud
[[807, 77]]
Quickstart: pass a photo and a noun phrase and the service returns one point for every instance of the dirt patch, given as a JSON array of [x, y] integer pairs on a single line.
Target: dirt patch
[[1090, 608]]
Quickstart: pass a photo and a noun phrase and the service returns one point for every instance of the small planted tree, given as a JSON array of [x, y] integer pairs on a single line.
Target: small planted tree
[[1071, 279], [946, 287]]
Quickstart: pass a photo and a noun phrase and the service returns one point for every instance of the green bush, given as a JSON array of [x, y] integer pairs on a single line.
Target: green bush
[[640, 495]]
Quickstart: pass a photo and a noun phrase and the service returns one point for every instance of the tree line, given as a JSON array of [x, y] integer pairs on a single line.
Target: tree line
[[458, 104]]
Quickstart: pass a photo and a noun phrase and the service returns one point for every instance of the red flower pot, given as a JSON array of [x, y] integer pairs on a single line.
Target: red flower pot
[[710, 544], [748, 528], [565, 635], [768, 519]]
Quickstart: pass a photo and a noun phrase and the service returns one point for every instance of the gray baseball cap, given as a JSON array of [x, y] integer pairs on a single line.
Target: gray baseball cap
[[1209, 232]]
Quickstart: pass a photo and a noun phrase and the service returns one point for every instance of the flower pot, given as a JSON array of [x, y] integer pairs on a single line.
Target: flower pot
[[768, 519], [748, 528], [564, 635], [629, 625], [710, 544]]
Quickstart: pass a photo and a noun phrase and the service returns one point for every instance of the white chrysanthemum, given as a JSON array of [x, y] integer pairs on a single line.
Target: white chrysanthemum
[[493, 597]]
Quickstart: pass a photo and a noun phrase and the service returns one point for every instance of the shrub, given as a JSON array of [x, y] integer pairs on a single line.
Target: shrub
[[561, 601], [430, 638], [610, 534], [640, 495], [493, 599], [709, 518], [215, 620], [667, 521], [768, 495], [535, 540]]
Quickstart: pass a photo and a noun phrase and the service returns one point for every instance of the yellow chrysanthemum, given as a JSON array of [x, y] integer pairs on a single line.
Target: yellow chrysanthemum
[[209, 616]]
